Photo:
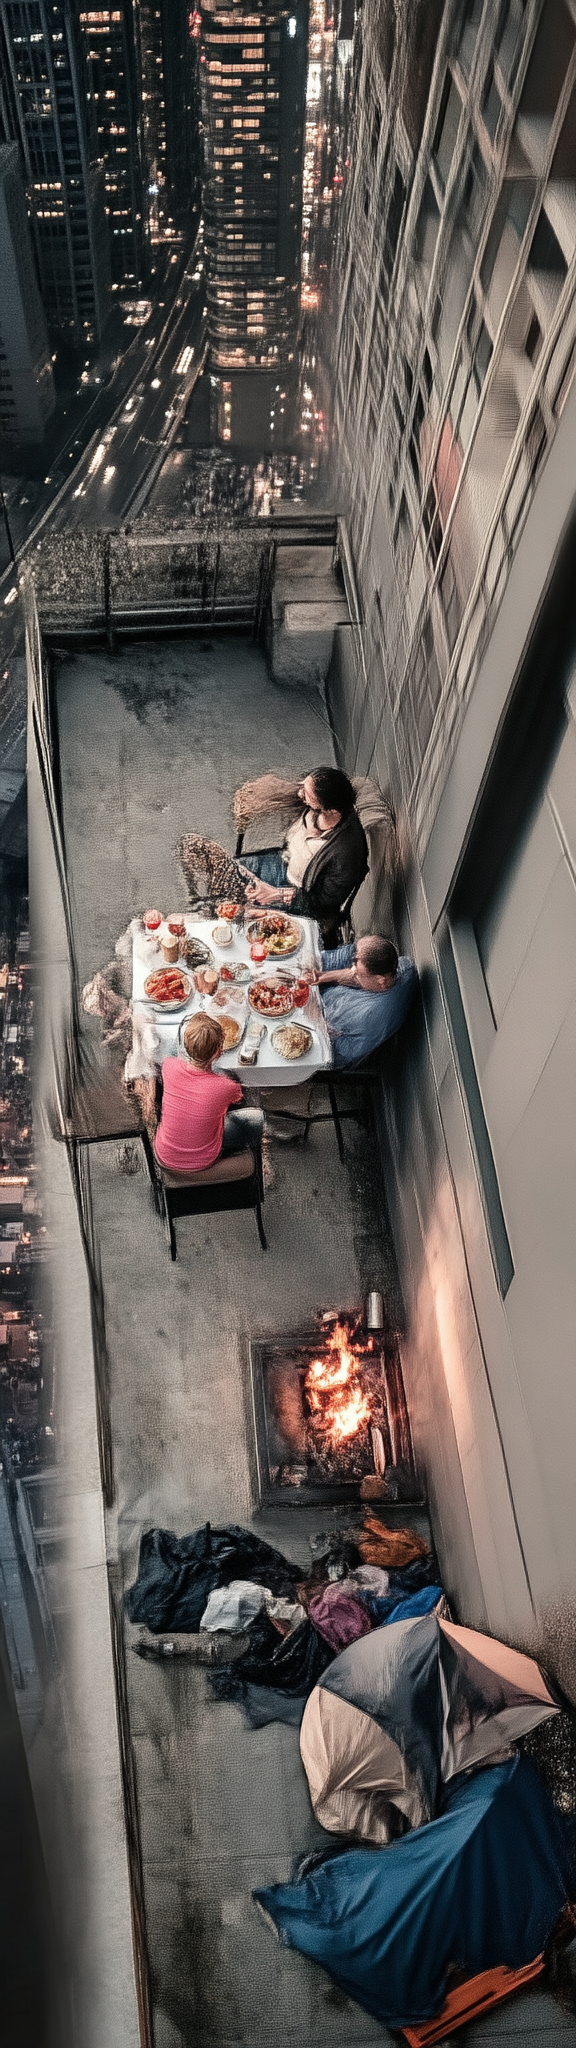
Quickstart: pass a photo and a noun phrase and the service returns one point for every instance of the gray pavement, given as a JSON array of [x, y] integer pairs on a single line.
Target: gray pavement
[[153, 742]]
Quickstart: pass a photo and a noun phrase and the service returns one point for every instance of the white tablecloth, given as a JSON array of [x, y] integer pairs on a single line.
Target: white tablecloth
[[270, 1071]]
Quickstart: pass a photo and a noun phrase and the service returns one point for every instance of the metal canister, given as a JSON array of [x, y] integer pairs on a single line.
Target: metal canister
[[374, 1311]]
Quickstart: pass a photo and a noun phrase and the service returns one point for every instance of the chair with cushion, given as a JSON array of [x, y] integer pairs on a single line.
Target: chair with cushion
[[235, 1181]]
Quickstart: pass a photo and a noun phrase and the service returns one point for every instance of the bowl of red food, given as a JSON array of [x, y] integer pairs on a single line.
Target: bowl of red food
[[168, 988]]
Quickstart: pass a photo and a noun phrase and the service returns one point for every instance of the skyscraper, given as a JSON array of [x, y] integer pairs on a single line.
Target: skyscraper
[[253, 83], [148, 27], [109, 40], [180, 77], [46, 106], [27, 397]]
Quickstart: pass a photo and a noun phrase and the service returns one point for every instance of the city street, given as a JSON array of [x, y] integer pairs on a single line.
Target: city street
[[136, 410], [109, 478], [151, 388]]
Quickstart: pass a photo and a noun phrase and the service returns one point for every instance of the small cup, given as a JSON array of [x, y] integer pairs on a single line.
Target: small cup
[[170, 948], [222, 934], [257, 951]]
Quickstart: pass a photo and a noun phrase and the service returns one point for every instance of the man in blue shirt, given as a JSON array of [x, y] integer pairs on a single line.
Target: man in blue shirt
[[366, 994]]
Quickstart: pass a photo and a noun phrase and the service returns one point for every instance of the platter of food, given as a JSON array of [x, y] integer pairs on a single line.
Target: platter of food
[[279, 934], [229, 910], [292, 1041], [168, 988], [271, 997]]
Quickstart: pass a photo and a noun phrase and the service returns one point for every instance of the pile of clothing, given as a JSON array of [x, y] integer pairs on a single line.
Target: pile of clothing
[[230, 1580]]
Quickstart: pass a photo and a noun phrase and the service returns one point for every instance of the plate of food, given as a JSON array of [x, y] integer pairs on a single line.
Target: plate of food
[[279, 934], [271, 997], [232, 1033], [168, 988], [229, 910], [292, 1041], [195, 952]]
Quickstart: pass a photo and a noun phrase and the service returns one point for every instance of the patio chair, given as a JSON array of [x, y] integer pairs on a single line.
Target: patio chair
[[235, 1181], [359, 1078]]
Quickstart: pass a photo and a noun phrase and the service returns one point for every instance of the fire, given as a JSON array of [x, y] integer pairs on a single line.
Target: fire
[[339, 1406]]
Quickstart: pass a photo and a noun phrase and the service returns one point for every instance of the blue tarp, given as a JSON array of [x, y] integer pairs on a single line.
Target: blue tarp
[[393, 1608], [482, 1884]]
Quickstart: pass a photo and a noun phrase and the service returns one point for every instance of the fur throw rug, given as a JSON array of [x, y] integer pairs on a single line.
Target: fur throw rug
[[262, 798]]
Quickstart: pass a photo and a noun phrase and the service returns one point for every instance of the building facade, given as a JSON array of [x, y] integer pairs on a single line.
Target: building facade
[[182, 100], [46, 106], [27, 397], [110, 49], [454, 319], [253, 81]]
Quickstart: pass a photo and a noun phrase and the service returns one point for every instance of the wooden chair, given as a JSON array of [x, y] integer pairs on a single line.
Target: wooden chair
[[235, 1181]]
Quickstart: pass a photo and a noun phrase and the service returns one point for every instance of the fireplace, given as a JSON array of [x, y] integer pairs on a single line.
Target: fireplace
[[330, 1417]]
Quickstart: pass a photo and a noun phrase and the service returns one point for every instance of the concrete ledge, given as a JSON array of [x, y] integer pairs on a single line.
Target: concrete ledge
[[76, 1769]]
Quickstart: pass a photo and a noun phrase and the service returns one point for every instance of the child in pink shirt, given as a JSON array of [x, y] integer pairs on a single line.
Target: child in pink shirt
[[190, 1133]]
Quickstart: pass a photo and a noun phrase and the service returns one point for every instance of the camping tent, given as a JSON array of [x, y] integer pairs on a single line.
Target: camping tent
[[481, 1885], [405, 1709]]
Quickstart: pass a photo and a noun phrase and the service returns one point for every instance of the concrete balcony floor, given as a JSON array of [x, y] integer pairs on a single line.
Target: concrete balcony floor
[[153, 742]]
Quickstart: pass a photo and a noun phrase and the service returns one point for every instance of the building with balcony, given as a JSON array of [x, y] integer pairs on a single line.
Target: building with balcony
[[46, 106]]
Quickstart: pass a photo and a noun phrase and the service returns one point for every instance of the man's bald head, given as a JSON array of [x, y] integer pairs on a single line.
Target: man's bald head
[[378, 956]]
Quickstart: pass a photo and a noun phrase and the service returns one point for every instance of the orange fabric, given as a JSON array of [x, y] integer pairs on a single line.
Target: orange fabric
[[469, 2000], [391, 1548]]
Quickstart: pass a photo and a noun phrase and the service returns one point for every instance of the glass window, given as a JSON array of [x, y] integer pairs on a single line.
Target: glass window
[[447, 128], [509, 39], [545, 252], [470, 24], [427, 228], [491, 106]]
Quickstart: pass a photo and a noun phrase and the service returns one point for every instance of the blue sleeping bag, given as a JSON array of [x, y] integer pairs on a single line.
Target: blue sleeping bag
[[481, 1884]]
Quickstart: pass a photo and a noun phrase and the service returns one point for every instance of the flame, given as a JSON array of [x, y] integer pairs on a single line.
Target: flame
[[341, 1414]]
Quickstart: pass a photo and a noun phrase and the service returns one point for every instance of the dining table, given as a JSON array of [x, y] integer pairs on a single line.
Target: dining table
[[160, 1030]]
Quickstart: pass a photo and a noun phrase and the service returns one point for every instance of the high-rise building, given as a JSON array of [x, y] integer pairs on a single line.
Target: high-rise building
[[46, 106], [150, 59], [454, 323], [182, 107], [253, 84], [27, 398], [109, 40]]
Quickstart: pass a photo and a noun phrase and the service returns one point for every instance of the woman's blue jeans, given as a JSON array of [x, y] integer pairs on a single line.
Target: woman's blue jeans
[[269, 867]]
